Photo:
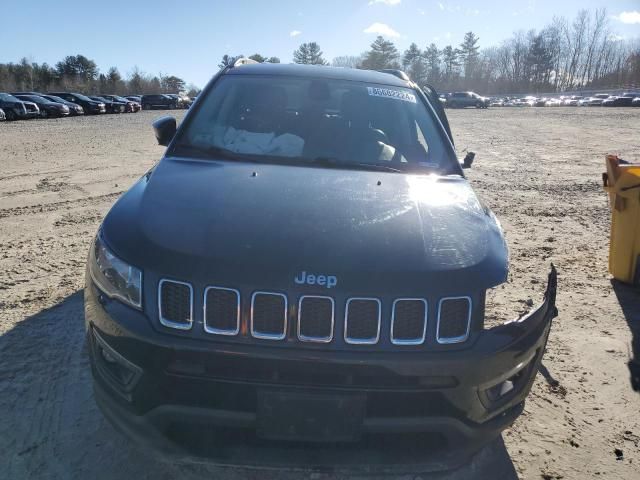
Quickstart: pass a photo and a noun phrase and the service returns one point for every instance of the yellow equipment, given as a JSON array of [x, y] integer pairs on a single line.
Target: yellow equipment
[[622, 183]]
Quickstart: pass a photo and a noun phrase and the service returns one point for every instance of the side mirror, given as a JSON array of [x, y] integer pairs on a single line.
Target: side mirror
[[165, 129], [468, 160]]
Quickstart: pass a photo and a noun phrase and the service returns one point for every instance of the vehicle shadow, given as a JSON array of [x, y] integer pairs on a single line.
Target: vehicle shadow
[[629, 299], [52, 429]]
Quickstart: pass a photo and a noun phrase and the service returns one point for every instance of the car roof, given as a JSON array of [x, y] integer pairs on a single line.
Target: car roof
[[318, 71]]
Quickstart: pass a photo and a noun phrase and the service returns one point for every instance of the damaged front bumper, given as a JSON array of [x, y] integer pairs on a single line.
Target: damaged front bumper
[[194, 399]]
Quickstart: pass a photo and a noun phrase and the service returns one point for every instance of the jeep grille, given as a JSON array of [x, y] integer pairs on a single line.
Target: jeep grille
[[222, 311], [269, 315], [175, 302], [454, 319], [409, 321], [362, 321], [315, 319]]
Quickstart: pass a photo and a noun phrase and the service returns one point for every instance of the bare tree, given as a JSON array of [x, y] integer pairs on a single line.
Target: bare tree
[[347, 61]]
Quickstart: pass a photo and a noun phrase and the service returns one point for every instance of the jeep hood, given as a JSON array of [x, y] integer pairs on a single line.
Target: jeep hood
[[251, 224]]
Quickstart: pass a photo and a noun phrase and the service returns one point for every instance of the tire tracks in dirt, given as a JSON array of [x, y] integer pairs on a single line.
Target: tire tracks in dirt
[[55, 206]]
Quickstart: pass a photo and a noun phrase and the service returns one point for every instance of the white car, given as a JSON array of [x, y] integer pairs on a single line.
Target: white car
[[572, 101]]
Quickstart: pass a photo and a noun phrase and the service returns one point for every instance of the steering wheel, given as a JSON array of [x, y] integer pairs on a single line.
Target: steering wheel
[[379, 135]]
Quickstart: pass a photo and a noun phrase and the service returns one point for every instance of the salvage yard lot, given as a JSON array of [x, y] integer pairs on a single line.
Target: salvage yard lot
[[538, 169]]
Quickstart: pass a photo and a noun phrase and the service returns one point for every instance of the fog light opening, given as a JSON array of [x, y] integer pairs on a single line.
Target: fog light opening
[[496, 395], [498, 391], [113, 365], [107, 356]]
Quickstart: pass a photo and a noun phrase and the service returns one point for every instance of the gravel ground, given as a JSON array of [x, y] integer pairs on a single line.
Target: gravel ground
[[538, 169]]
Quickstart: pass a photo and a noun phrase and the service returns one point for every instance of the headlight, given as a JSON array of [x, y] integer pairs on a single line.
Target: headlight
[[116, 278]]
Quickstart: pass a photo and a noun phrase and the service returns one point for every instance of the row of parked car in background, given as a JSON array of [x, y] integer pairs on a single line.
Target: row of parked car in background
[[472, 99], [629, 99], [26, 105]]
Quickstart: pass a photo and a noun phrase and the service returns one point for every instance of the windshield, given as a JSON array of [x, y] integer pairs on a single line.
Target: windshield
[[8, 98], [35, 99], [53, 98], [305, 120], [82, 97]]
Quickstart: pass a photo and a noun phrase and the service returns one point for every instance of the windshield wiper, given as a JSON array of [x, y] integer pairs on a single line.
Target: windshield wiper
[[337, 163], [212, 151]]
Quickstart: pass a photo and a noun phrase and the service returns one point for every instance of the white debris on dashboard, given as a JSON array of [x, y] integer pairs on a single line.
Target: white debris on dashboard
[[242, 141]]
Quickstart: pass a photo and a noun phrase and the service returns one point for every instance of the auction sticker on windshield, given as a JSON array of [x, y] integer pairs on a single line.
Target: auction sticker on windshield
[[389, 93]]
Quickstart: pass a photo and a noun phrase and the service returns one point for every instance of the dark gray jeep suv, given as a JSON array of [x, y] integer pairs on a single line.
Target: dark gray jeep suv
[[301, 281], [467, 99]]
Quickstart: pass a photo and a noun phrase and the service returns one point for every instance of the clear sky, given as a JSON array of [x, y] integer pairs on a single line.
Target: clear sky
[[188, 37]]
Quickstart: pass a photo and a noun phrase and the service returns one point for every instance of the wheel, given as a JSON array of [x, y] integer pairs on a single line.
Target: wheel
[[10, 114], [44, 114], [172, 106]]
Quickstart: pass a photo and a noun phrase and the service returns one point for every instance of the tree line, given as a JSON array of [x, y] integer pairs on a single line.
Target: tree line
[[563, 55], [78, 73]]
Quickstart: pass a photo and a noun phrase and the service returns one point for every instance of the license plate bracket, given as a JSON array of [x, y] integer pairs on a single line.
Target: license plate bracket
[[309, 416]]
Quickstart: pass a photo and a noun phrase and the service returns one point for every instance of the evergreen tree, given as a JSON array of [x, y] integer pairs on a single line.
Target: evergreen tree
[[413, 62], [258, 58], [451, 62], [412, 54], [309, 54], [469, 53], [115, 84], [540, 60], [383, 54], [432, 61], [172, 84], [228, 60]]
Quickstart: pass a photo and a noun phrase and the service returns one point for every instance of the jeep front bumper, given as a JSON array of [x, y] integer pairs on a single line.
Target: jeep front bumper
[[422, 411]]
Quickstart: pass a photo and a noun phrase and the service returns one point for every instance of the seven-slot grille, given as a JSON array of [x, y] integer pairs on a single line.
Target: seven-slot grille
[[409, 321], [175, 304], [269, 315], [362, 321], [222, 311], [316, 316], [454, 319], [315, 319]]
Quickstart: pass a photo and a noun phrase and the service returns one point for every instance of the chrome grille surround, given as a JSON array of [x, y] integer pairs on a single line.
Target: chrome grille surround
[[266, 335], [305, 338], [460, 338], [362, 341], [169, 323], [409, 341], [220, 331]]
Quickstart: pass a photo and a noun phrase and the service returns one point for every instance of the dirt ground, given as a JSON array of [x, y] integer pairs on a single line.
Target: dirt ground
[[539, 169]]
